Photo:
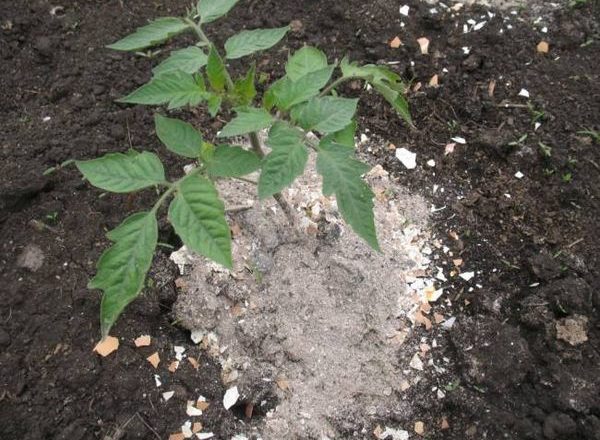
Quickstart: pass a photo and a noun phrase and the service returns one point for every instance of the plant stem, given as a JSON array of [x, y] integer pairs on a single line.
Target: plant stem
[[254, 140], [204, 39], [285, 206], [162, 198], [198, 31], [334, 84]]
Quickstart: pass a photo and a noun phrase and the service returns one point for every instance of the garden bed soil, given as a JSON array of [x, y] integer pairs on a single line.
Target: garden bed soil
[[531, 241]]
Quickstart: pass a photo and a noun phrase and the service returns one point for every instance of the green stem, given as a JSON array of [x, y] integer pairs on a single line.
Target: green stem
[[336, 83], [162, 198], [204, 39], [173, 186], [198, 30], [285, 206], [254, 140]]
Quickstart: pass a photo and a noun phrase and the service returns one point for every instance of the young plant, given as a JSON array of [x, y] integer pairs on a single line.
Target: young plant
[[298, 103]]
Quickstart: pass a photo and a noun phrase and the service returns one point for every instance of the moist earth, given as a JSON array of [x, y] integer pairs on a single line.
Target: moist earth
[[531, 242]]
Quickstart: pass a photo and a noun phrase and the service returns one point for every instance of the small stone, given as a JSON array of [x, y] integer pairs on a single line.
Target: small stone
[[296, 25], [572, 330]]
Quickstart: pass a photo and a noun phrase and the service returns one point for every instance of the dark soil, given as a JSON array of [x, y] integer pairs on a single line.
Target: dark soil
[[511, 376]]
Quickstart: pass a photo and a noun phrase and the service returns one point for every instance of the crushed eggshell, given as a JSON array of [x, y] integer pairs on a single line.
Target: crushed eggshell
[[434, 81], [421, 319], [157, 380], [179, 352], [186, 429], [416, 362], [423, 45], [154, 359], [404, 10], [197, 427], [205, 435], [191, 410], [543, 47], [231, 397], [282, 383], [449, 323], [197, 336], [396, 43], [420, 428], [438, 317], [491, 88], [467, 276], [107, 346], [202, 404], [407, 158], [167, 395], [193, 362], [393, 434], [444, 424], [524, 93], [143, 341], [459, 140], [404, 385], [173, 366], [177, 436], [449, 149]]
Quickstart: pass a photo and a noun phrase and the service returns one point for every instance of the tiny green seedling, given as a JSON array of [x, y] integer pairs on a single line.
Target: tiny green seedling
[[536, 115], [545, 150], [519, 142], [593, 134], [303, 101]]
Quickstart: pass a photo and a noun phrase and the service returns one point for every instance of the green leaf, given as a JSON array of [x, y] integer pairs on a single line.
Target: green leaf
[[178, 136], [396, 99], [287, 93], [386, 82], [245, 88], [122, 268], [342, 176], [343, 137], [214, 104], [248, 42], [198, 216], [122, 173], [305, 61], [372, 73], [326, 114], [210, 10], [285, 162], [248, 119], [175, 88], [229, 161], [188, 60], [216, 71], [154, 33]]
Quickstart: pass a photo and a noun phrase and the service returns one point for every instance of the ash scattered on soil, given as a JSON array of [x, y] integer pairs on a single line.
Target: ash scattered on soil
[[309, 324]]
